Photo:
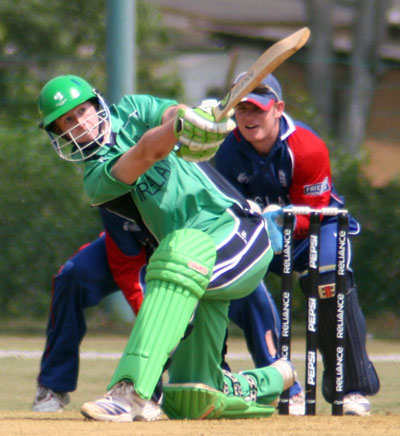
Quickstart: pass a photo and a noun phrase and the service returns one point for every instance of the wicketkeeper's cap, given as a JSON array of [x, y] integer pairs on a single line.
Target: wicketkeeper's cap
[[265, 94]]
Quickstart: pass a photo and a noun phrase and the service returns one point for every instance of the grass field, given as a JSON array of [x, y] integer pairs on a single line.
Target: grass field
[[18, 374]]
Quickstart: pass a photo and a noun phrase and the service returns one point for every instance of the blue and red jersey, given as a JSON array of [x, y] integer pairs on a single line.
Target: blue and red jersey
[[296, 170]]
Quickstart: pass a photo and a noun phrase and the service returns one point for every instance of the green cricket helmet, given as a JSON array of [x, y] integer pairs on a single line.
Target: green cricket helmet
[[62, 94]]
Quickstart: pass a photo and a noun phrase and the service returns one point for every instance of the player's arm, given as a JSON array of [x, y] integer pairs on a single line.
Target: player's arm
[[153, 146], [311, 182], [196, 130]]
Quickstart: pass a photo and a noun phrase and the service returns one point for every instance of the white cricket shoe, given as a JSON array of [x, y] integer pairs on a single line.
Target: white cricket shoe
[[122, 404], [297, 404], [46, 400], [356, 404]]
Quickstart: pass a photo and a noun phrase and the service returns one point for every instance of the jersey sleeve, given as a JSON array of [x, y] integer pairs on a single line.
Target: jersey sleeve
[[151, 109], [311, 179], [131, 118], [99, 184], [143, 108]]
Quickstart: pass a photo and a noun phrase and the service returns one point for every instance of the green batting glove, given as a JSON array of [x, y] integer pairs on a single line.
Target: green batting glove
[[199, 134]]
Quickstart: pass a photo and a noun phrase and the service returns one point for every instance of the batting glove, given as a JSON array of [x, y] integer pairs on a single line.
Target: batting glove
[[199, 134]]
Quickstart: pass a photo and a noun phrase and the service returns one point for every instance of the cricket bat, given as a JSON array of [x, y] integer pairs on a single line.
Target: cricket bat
[[264, 65]]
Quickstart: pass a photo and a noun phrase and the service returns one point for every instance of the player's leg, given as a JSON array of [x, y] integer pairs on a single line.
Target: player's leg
[[177, 275], [240, 265], [81, 283], [197, 359], [244, 395], [360, 374], [198, 389], [258, 317]]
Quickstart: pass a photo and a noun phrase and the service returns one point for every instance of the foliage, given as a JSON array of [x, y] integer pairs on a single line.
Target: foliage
[[36, 28], [159, 74], [69, 37], [45, 215], [376, 251], [38, 40]]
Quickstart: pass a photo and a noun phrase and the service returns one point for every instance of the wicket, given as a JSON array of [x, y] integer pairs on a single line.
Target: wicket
[[312, 302]]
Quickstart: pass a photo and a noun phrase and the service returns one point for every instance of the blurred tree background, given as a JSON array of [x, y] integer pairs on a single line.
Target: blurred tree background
[[45, 214]]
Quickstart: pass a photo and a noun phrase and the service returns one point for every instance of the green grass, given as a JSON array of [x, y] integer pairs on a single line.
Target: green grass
[[18, 375]]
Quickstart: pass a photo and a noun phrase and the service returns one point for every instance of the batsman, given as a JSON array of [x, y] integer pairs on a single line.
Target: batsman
[[144, 159]]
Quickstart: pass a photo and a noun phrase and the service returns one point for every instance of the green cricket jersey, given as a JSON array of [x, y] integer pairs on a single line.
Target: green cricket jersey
[[177, 195], [172, 194]]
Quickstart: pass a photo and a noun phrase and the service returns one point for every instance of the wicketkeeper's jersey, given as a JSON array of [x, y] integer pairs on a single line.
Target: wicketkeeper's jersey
[[295, 171]]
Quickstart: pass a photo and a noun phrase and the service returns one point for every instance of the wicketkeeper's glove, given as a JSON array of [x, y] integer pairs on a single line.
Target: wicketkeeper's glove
[[273, 214], [199, 134]]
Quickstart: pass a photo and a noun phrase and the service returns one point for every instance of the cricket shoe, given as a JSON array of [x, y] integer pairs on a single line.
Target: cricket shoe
[[46, 400], [355, 403], [122, 404], [297, 404]]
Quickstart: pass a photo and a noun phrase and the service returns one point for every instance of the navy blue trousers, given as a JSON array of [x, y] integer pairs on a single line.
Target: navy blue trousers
[[83, 281]]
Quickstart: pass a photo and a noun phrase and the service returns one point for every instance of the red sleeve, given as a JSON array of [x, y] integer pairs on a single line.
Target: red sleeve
[[126, 272], [311, 180]]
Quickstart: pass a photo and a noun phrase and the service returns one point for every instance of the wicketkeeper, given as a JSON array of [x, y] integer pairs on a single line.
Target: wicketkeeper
[[274, 160]]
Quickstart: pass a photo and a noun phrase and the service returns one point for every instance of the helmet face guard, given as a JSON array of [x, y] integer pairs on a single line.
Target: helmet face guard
[[69, 147], [59, 96]]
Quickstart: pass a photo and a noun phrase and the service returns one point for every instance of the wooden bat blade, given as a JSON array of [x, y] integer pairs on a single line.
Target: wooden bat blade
[[264, 65]]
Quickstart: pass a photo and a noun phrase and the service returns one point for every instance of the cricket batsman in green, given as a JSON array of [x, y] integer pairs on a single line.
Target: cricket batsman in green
[[145, 159]]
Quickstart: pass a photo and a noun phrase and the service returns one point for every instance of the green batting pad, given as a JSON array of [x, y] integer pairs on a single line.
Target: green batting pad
[[269, 383], [238, 408], [199, 401], [177, 276], [263, 385]]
